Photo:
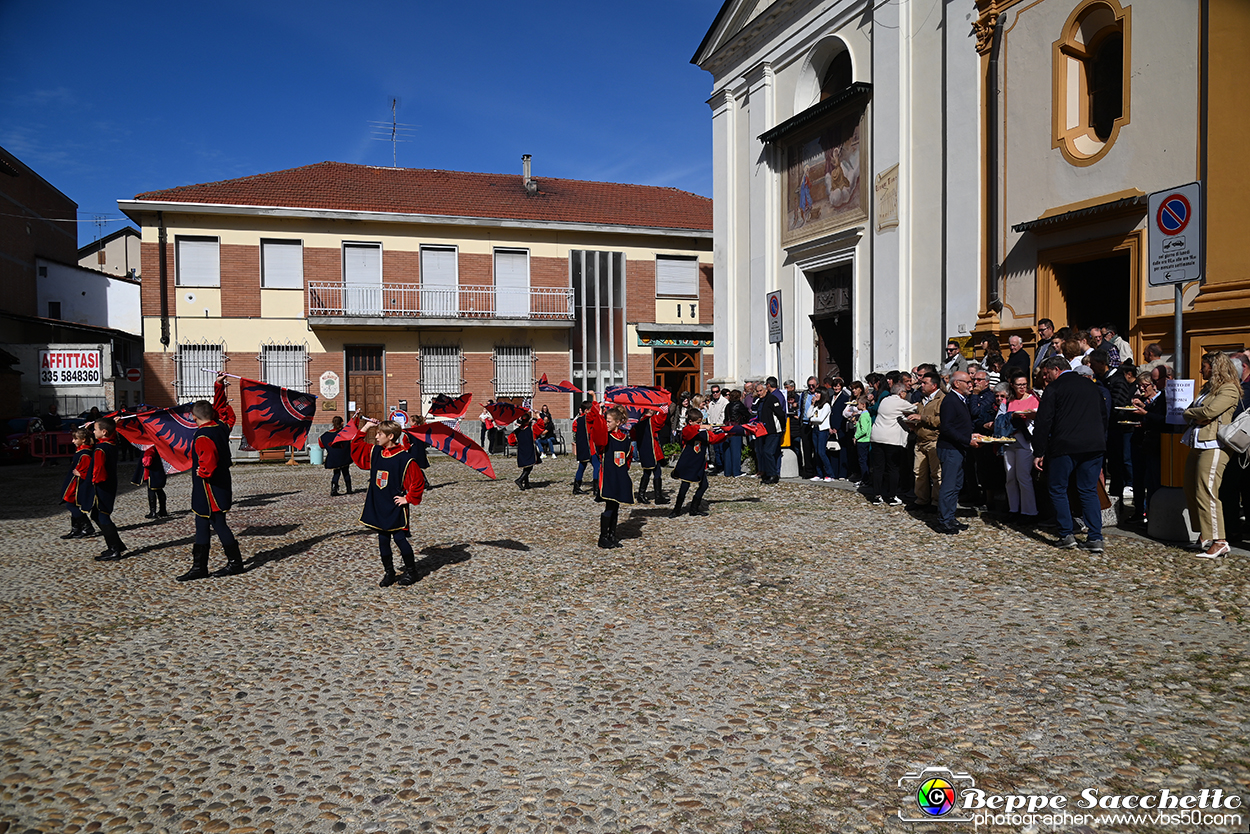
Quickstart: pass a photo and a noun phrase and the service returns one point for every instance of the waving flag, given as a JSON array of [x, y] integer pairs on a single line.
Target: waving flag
[[453, 444], [505, 413], [638, 396], [275, 417], [445, 406], [563, 387], [170, 430], [754, 428]]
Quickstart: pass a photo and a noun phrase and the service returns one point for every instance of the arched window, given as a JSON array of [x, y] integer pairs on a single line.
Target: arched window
[[1091, 81], [837, 76]]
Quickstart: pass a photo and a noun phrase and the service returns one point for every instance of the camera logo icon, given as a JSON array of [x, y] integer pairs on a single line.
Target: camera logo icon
[[933, 795]]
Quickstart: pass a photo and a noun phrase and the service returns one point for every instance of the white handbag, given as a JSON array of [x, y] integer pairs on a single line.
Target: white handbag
[[1235, 437]]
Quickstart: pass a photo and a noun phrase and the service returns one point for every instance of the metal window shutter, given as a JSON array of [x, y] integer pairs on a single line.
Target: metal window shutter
[[199, 263], [676, 276], [282, 264], [512, 283]]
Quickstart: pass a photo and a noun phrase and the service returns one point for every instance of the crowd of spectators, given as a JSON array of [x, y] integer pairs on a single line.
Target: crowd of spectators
[[1051, 438]]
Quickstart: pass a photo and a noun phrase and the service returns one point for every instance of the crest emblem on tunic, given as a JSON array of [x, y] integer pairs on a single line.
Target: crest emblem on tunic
[[698, 447], [618, 458], [383, 477]]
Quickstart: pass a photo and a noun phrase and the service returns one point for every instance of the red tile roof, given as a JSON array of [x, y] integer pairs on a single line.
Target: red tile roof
[[343, 187]]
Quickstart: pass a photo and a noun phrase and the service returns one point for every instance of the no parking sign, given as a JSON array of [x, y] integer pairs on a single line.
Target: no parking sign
[[1175, 235]]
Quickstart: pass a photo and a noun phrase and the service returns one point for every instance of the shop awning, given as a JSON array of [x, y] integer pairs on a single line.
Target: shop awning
[[1103, 211]]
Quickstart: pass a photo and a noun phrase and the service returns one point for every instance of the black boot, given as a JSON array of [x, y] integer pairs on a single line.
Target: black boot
[[605, 539], [642, 497], [598, 497], [388, 576], [199, 564], [577, 488], [661, 497], [85, 530], [116, 550], [681, 499], [160, 497], [234, 561], [151, 504], [409, 575], [75, 528], [520, 481], [612, 537]]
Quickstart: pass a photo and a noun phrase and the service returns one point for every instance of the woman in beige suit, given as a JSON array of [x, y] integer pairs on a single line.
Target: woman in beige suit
[[1204, 469]]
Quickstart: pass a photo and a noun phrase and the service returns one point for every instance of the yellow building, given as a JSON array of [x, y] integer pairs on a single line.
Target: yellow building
[[1089, 106]]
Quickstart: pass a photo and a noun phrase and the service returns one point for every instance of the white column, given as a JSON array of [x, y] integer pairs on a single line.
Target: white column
[[887, 300], [764, 223], [725, 268]]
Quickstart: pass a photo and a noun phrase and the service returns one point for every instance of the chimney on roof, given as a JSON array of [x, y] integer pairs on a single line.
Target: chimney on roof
[[531, 187]]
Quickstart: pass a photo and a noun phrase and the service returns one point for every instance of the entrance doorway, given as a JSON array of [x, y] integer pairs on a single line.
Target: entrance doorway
[[365, 381], [679, 370], [831, 320], [1095, 292]]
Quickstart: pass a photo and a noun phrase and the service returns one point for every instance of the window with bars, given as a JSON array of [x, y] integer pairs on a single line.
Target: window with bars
[[440, 370], [198, 365], [514, 372], [285, 365]]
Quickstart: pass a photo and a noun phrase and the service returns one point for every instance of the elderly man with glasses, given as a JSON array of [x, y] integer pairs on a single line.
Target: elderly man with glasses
[[954, 360], [956, 436]]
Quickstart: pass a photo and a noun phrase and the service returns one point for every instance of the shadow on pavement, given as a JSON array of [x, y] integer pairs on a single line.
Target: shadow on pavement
[[262, 499], [286, 551], [506, 544]]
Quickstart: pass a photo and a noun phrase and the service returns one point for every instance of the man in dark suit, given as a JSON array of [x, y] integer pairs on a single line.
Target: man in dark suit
[[1152, 412], [956, 435], [1070, 437], [1019, 357], [772, 415]]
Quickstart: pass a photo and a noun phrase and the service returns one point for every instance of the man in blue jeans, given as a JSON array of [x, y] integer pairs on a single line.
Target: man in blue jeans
[[1070, 438], [956, 435]]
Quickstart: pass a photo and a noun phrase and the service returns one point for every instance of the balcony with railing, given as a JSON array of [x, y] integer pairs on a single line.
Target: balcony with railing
[[354, 305]]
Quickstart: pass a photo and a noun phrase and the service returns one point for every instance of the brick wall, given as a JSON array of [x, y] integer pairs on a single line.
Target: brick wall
[[549, 272], [640, 290], [240, 281], [401, 267], [705, 293]]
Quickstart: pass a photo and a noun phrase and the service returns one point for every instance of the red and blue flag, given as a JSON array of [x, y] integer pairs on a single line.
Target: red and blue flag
[[170, 430], [506, 413], [638, 396], [275, 417], [562, 387], [455, 445], [447, 407]]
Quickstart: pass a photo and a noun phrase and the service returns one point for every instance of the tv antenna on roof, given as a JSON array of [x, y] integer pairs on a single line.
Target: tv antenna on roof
[[392, 131]]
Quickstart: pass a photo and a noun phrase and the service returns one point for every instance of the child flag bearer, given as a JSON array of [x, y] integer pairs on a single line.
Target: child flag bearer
[[151, 471], [691, 467], [212, 492], [77, 492], [650, 454], [585, 429], [614, 483], [104, 487], [396, 483]]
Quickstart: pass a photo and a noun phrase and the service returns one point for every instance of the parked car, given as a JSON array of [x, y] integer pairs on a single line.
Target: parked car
[[16, 447]]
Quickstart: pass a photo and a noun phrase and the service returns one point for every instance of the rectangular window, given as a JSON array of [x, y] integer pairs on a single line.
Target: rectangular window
[[54, 309], [197, 370], [676, 276], [285, 365], [440, 280], [362, 279], [197, 261], [512, 283], [514, 372], [598, 280], [282, 264], [440, 370]]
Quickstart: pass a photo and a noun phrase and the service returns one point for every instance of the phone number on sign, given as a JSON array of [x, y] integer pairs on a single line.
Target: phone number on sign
[[63, 376]]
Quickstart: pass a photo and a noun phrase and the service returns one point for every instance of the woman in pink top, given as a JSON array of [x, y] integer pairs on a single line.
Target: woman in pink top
[[1018, 457]]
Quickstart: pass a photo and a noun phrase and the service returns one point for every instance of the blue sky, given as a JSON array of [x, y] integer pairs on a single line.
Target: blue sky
[[109, 100]]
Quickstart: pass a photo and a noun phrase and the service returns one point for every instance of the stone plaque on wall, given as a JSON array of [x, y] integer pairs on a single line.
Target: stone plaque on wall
[[885, 188]]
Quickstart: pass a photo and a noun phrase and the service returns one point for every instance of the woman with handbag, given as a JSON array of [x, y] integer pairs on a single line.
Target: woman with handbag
[[1204, 469]]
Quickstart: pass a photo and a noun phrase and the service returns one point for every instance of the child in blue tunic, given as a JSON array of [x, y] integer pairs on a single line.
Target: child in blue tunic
[[151, 471], [585, 429], [338, 456], [650, 455], [525, 435], [614, 483], [691, 468], [104, 487], [77, 490], [212, 489], [396, 483]]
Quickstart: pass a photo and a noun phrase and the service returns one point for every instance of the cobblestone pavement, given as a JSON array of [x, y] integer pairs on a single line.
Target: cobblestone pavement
[[777, 666]]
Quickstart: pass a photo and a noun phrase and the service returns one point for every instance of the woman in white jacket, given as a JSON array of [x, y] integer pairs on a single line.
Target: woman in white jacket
[[822, 413], [889, 444]]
